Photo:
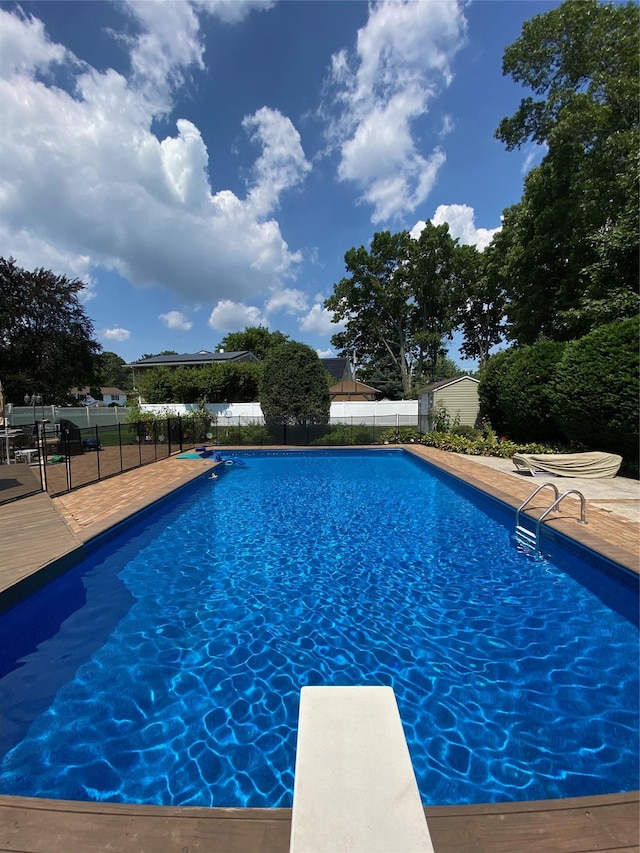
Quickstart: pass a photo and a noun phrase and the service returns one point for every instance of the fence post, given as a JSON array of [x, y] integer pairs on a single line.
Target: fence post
[[97, 450]]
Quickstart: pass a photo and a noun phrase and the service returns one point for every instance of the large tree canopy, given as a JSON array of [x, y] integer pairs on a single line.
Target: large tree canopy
[[46, 339], [399, 303], [256, 339], [570, 247]]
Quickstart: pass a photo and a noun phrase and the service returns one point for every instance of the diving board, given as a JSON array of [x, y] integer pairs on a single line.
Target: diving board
[[354, 789]]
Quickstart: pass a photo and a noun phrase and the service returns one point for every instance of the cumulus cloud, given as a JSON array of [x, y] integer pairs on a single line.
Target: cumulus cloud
[[115, 334], [318, 321], [286, 299], [84, 174], [176, 320], [461, 221], [402, 60], [229, 316]]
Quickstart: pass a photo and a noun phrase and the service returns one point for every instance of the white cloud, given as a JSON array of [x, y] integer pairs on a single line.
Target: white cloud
[[401, 62], [325, 353], [282, 164], [84, 176], [116, 334], [461, 221], [318, 321], [232, 11], [176, 320], [286, 299], [229, 316], [24, 45]]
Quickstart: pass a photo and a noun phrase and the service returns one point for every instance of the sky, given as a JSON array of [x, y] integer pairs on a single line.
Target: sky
[[204, 165]]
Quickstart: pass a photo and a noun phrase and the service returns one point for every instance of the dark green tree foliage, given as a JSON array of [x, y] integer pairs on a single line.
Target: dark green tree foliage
[[255, 339], [491, 377], [399, 303], [113, 372], [46, 339], [481, 300], [216, 383], [571, 254], [595, 390], [294, 387], [525, 392], [436, 274], [374, 304]]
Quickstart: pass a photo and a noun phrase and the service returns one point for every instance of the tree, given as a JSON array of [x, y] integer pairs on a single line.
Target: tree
[[399, 303], [256, 339], [374, 302], [573, 259], [482, 301], [112, 370], [46, 339], [156, 354], [436, 272], [294, 387]]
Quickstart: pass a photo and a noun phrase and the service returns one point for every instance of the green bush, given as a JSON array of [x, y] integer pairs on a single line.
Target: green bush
[[399, 435], [466, 430], [480, 446], [525, 392], [491, 377], [595, 391]]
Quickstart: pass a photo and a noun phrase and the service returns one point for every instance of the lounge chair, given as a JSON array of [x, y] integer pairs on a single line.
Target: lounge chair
[[592, 466]]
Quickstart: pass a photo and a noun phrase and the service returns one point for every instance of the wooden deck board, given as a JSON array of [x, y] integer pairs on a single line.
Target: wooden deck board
[[606, 823]]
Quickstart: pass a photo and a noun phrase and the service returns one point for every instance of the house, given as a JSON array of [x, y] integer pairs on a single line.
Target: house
[[113, 397], [351, 390], [108, 396], [459, 396]]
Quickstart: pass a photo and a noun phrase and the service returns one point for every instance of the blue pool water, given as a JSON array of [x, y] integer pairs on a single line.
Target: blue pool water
[[166, 668]]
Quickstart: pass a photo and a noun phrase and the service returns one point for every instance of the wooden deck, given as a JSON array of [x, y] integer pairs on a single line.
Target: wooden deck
[[36, 530], [607, 823]]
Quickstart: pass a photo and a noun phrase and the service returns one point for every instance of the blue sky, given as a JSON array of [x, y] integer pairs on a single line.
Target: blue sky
[[204, 166]]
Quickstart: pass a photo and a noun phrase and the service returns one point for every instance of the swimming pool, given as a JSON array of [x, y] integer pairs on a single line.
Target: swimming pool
[[168, 665]]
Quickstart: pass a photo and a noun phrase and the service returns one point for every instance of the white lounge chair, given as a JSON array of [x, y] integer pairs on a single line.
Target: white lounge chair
[[594, 465]]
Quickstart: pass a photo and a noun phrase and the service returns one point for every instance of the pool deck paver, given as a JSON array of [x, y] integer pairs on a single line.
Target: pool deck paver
[[37, 530]]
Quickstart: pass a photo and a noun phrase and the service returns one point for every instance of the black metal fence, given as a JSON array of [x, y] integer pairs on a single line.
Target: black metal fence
[[64, 456]]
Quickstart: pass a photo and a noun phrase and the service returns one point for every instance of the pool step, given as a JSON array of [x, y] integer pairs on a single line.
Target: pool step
[[355, 789], [526, 538]]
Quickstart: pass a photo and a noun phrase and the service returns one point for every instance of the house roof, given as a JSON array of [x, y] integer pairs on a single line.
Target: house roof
[[106, 390], [337, 367], [194, 358], [443, 383]]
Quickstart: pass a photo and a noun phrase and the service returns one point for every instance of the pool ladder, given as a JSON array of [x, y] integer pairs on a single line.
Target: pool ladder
[[531, 539]]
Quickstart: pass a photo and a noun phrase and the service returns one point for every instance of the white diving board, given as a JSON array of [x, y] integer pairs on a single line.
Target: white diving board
[[355, 789]]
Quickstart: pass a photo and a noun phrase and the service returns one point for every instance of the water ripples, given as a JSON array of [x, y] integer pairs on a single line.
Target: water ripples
[[513, 680]]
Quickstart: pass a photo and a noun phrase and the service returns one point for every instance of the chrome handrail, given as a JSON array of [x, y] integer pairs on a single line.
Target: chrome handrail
[[582, 519], [533, 494]]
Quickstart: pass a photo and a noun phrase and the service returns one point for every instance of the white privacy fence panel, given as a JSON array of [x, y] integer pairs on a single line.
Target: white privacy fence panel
[[391, 412]]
